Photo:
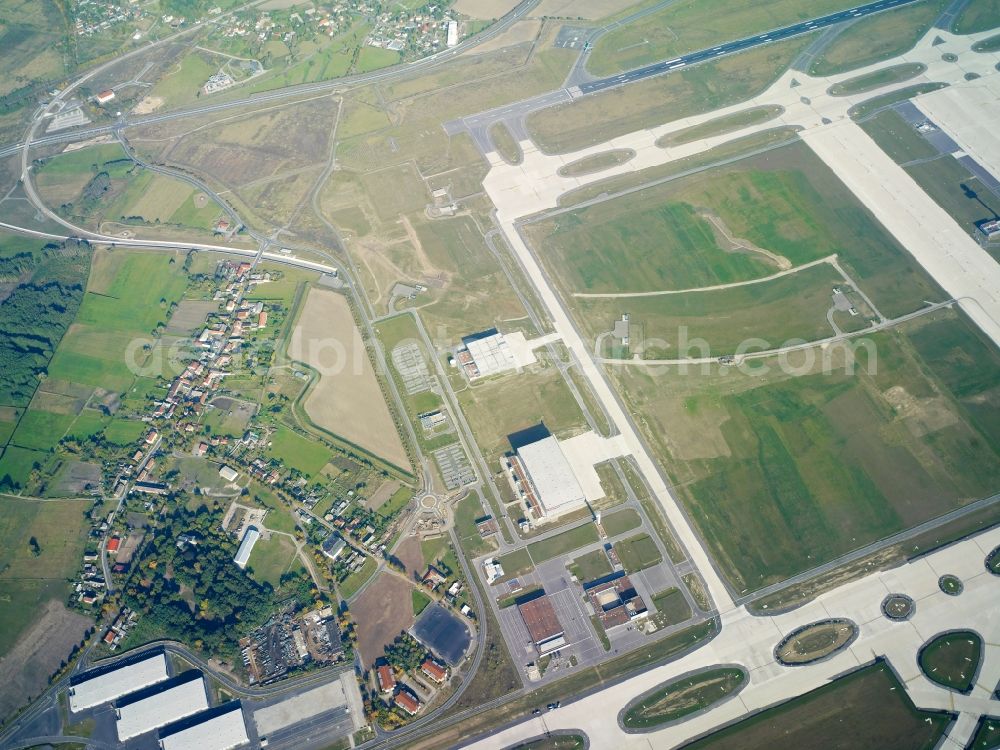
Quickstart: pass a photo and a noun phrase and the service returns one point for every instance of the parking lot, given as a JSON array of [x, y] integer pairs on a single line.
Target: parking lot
[[454, 466]]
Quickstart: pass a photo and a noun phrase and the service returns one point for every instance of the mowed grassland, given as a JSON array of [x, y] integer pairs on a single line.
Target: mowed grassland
[[786, 202], [347, 398], [693, 25], [500, 406], [781, 473], [978, 16], [27, 580], [878, 37], [702, 324], [661, 99], [271, 558], [128, 296], [867, 710]]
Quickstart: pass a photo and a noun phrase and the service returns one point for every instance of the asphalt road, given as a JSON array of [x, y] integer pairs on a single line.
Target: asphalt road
[[740, 45]]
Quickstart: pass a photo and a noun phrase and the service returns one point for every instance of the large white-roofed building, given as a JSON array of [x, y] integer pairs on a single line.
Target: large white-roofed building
[[223, 729], [546, 480], [160, 705], [250, 538], [485, 354], [104, 685]]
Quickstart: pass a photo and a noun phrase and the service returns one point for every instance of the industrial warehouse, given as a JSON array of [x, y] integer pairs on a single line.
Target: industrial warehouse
[[160, 705], [105, 685], [543, 626], [222, 729], [485, 354], [544, 479]]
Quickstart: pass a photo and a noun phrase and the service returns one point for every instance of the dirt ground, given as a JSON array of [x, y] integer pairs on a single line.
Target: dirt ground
[[485, 8], [520, 32], [383, 610], [347, 400], [410, 554], [25, 670], [586, 9], [147, 105]]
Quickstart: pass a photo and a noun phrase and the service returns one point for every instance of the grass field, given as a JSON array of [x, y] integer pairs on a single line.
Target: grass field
[[498, 407], [298, 452], [952, 660], [897, 137], [637, 553], [597, 162], [620, 521], [785, 202], [27, 580], [671, 607], [694, 25], [590, 566], [271, 558], [350, 585], [467, 511], [876, 103], [505, 143], [987, 735], [661, 99], [420, 601], [781, 473], [640, 243], [978, 16], [682, 697], [878, 79], [563, 543], [181, 84], [866, 710], [789, 307], [879, 37], [722, 125]]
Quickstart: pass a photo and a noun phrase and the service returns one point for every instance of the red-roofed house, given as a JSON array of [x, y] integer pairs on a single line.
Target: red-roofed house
[[407, 702], [434, 670], [386, 679]]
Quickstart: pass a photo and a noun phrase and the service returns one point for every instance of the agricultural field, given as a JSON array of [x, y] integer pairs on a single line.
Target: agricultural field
[[30, 579], [879, 37], [347, 398], [866, 710], [826, 462]]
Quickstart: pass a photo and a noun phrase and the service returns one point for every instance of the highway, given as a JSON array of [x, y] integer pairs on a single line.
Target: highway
[[740, 45], [426, 63]]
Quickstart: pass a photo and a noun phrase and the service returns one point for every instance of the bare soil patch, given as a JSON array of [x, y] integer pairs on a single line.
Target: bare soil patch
[[347, 399], [190, 314], [25, 670], [382, 612], [519, 33], [585, 9], [411, 555], [485, 8], [147, 105]]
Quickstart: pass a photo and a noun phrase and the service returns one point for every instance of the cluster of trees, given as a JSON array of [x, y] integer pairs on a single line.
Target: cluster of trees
[[220, 603], [405, 653], [36, 314]]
